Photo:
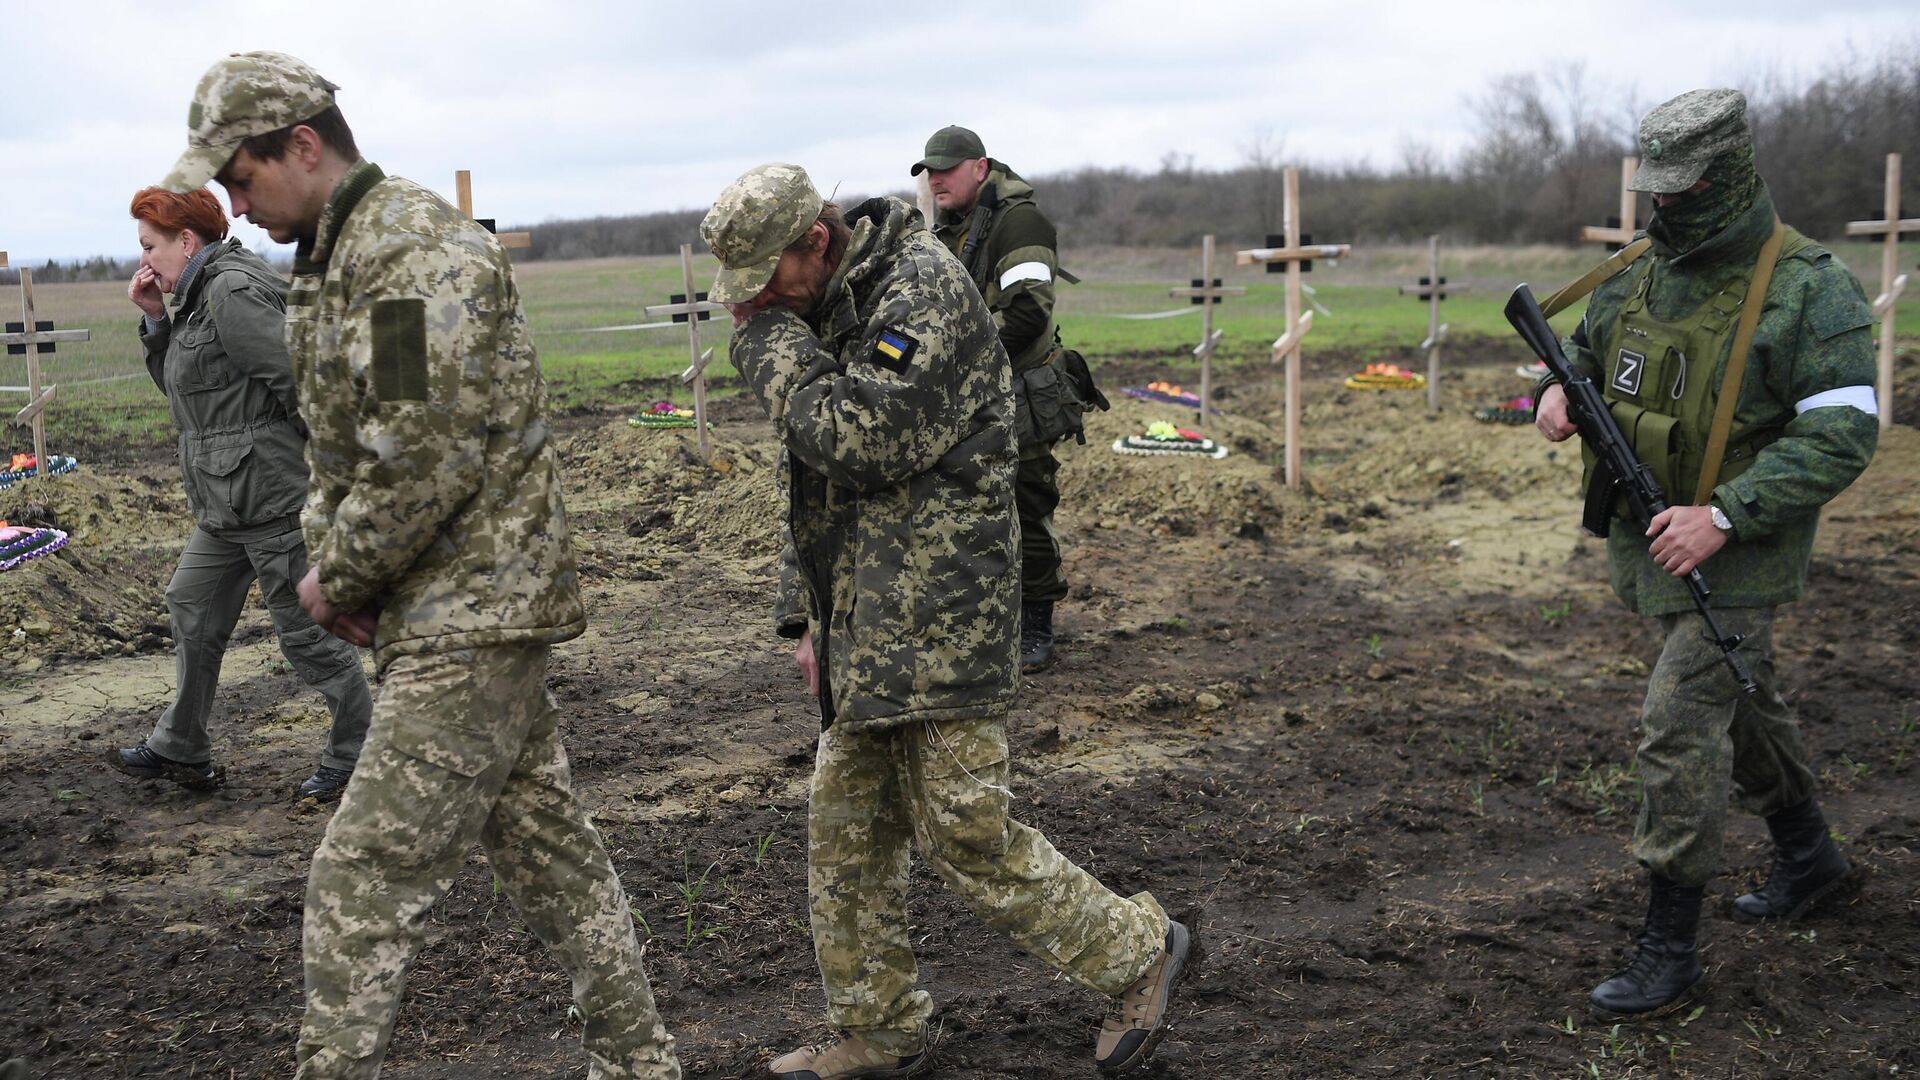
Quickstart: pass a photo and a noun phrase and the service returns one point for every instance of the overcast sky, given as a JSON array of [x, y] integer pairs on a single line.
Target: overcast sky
[[575, 109]]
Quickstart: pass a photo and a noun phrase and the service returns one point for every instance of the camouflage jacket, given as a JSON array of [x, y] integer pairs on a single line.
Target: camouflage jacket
[[221, 359], [434, 495], [892, 400], [1813, 348]]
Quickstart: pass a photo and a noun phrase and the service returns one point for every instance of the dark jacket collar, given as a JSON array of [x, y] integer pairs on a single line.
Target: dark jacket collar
[[312, 255]]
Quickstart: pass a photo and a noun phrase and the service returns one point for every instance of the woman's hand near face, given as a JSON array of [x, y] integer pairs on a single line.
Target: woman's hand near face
[[144, 291]]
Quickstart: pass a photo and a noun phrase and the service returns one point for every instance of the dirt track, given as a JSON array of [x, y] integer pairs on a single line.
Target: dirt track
[[1375, 733]]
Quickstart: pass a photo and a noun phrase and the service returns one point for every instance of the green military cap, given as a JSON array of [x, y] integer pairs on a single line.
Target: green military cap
[[752, 222], [1679, 138], [948, 147], [244, 95]]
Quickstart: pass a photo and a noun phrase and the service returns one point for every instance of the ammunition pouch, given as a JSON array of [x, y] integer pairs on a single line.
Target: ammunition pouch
[[1051, 400]]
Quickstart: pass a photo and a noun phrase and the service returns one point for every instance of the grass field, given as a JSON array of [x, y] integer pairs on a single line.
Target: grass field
[[106, 397]]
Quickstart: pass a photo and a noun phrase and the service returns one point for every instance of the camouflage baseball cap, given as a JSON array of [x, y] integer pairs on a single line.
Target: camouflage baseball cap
[[1679, 138], [752, 222], [948, 147], [244, 95]]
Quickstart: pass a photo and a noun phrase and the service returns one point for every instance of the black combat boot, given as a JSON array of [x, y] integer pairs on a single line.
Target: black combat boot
[[142, 762], [1807, 865], [1036, 636], [1666, 965]]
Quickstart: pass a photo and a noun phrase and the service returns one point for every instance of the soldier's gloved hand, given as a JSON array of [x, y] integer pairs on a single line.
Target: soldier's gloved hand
[[808, 664], [1684, 537], [1551, 417]]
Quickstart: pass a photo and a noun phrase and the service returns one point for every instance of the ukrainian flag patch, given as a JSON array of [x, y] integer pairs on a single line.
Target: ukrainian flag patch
[[893, 350]]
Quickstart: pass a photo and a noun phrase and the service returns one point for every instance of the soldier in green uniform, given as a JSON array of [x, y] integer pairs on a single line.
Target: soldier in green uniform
[[1658, 336], [221, 360], [437, 534], [887, 383], [988, 217]]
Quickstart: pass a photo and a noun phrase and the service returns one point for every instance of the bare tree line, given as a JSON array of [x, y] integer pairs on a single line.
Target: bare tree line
[[1544, 160]]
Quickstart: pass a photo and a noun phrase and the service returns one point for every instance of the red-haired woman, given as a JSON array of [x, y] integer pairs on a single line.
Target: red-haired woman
[[220, 357]]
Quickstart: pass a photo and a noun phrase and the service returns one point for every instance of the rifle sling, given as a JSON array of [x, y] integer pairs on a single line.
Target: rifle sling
[[1737, 364], [1589, 281]]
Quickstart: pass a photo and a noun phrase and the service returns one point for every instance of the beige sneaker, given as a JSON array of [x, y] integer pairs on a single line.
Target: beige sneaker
[[1138, 1016], [847, 1058]]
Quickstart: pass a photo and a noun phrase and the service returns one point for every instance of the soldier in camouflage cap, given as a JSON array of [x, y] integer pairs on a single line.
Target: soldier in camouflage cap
[[437, 533], [1658, 337], [880, 367]]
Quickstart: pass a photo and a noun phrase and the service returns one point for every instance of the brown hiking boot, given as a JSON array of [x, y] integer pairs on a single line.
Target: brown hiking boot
[[1138, 1016], [846, 1058]]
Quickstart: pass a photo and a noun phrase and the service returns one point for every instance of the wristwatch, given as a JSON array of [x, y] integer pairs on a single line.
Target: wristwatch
[[1719, 518]]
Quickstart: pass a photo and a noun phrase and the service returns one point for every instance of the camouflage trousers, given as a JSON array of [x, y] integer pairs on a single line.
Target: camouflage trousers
[[1703, 740], [943, 785], [463, 748]]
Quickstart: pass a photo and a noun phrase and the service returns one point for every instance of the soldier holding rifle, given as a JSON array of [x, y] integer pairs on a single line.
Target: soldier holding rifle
[[1736, 359]]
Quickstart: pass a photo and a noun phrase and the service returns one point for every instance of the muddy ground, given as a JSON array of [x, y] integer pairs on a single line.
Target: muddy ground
[[1377, 733]]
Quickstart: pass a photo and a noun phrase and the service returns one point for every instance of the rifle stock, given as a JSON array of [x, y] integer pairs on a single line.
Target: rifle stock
[[1618, 472]]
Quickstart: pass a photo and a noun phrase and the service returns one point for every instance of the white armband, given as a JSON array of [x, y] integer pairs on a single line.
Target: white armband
[[1026, 271], [1858, 397]]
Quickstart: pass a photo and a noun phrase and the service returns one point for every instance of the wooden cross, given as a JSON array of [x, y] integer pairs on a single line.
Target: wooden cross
[[1433, 288], [31, 337], [1207, 291], [691, 307], [1296, 256], [1892, 284], [463, 192], [1618, 232]]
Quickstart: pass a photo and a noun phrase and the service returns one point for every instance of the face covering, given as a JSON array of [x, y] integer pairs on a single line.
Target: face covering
[[1692, 221]]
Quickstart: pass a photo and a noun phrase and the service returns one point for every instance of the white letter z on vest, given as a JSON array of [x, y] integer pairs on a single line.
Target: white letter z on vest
[[1859, 397], [1026, 271]]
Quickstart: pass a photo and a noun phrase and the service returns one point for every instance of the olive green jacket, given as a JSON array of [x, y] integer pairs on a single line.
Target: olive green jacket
[[892, 400], [220, 357], [1013, 266], [1812, 354], [435, 498]]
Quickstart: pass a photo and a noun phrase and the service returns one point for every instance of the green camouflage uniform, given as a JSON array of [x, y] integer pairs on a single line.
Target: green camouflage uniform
[[891, 398], [1803, 430], [1014, 266], [221, 360], [434, 500]]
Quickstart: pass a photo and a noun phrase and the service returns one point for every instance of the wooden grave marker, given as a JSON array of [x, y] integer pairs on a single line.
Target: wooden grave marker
[[31, 337], [463, 194], [692, 307], [1892, 283], [1618, 231], [1293, 253], [1433, 288], [1207, 292]]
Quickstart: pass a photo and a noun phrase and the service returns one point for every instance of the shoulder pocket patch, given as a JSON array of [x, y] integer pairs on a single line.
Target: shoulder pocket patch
[[894, 350], [1837, 315], [400, 350]]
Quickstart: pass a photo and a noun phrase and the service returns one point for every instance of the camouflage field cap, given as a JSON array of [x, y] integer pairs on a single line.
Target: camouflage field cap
[[752, 222], [244, 95], [1678, 139], [948, 147]]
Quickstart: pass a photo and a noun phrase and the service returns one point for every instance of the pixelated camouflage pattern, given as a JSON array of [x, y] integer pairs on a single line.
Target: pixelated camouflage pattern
[[463, 748], [1703, 739], [1814, 335], [752, 222], [1679, 137], [900, 482], [942, 785], [1692, 220], [442, 506], [244, 95]]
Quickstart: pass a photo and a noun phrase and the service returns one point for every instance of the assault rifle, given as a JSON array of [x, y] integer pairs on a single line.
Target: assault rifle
[[1617, 472]]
